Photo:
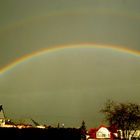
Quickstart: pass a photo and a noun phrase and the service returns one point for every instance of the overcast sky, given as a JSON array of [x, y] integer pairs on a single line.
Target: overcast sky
[[68, 85]]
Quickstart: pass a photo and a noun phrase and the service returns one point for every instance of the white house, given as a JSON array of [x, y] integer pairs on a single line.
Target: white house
[[102, 132]]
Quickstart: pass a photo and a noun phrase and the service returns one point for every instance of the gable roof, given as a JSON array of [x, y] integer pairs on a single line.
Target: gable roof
[[93, 130]]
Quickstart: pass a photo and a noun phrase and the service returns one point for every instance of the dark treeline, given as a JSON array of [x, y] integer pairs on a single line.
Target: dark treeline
[[41, 134]]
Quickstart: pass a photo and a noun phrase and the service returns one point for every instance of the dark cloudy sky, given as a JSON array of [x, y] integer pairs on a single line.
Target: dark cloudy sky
[[68, 85]]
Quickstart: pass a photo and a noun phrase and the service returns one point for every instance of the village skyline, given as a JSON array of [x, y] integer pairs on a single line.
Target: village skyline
[[60, 60]]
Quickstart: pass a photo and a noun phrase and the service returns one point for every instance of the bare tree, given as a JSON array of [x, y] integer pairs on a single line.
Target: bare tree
[[126, 116]]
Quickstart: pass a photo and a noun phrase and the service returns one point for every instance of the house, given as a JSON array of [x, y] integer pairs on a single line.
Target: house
[[102, 132]]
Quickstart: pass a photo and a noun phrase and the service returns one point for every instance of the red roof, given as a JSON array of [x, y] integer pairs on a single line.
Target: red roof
[[92, 130], [112, 129]]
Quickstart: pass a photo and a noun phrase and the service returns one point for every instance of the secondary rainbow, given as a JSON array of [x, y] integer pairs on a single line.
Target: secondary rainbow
[[57, 48], [30, 19]]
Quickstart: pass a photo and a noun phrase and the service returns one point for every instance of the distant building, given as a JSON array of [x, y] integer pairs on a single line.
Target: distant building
[[5, 122], [2, 116]]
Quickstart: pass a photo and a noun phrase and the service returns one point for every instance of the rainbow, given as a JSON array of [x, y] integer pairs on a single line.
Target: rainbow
[[57, 48], [31, 19]]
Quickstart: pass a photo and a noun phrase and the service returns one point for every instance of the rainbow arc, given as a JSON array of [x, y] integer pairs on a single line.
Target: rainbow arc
[[58, 48]]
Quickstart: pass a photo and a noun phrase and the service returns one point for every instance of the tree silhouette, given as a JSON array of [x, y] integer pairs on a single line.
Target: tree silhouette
[[126, 116], [83, 130]]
